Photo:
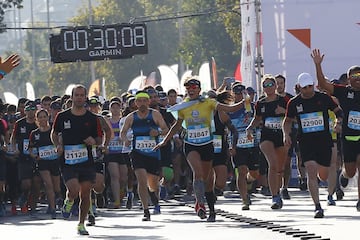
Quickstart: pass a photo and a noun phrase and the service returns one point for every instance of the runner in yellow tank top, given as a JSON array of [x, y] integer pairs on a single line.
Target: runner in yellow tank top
[[195, 115]]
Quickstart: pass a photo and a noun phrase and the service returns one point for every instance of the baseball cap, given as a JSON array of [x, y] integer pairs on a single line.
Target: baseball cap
[[55, 105], [305, 79], [250, 90], [162, 95], [237, 87], [93, 100], [192, 81]]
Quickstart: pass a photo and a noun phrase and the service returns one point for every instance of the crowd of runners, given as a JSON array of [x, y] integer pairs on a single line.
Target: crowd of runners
[[77, 153]]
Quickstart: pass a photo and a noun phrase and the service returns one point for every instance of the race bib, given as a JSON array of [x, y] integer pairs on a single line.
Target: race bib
[[354, 120], [48, 152], [244, 142], [273, 122], [217, 142], [26, 146], [198, 134], [145, 143], [75, 154], [115, 146], [312, 122]]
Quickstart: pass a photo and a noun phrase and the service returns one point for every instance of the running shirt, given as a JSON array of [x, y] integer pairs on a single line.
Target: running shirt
[[312, 116], [74, 130], [241, 120], [129, 135], [219, 137], [142, 142], [272, 122], [197, 122], [41, 143], [22, 130], [115, 144], [350, 103]]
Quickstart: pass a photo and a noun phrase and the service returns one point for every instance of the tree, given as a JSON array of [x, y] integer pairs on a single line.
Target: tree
[[6, 4], [211, 29]]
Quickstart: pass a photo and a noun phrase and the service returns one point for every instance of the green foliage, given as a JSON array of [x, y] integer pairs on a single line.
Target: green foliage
[[209, 28]]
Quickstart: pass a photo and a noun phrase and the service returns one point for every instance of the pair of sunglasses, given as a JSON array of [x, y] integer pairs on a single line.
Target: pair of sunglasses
[[191, 86], [268, 84], [355, 76], [30, 109]]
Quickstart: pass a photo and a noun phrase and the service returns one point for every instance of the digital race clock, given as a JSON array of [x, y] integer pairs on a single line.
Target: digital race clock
[[98, 42]]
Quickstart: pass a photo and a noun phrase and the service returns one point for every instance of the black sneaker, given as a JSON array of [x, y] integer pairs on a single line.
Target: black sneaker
[[211, 217], [339, 194], [146, 217], [358, 206], [343, 181], [91, 220], [319, 213], [129, 200], [302, 184], [285, 194]]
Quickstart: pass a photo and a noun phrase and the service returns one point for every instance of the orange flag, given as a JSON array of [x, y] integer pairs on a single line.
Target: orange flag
[[94, 89]]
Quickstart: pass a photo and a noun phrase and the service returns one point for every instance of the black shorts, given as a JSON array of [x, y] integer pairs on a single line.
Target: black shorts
[[83, 174], [351, 150], [100, 167], [166, 157], [150, 164], [312, 150], [27, 168], [206, 151], [221, 158], [248, 157], [120, 158], [49, 165], [275, 137]]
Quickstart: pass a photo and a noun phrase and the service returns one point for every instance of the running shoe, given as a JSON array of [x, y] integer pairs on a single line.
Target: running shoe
[[330, 201], [302, 184], [53, 214], [129, 200], [245, 207], [277, 202], [285, 194], [91, 220], [156, 209], [211, 217], [339, 194], [358, 206], [200, 210], [343, 180], [265, 191], [81, 230], [67, 209], [146, 217], [319, 213], [59, 203]]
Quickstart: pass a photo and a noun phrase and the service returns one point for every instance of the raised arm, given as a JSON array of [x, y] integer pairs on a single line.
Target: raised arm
[[323, 82]]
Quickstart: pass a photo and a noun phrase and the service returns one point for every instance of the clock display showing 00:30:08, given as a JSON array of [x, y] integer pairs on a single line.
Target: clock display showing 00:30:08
[[103, 42]]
